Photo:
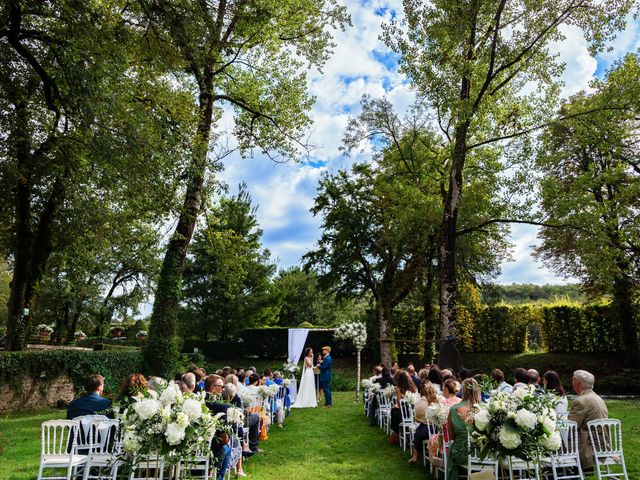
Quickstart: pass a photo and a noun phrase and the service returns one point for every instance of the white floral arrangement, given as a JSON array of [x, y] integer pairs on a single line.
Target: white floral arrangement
[[375, 387], [79, 333], [247, 397], [520, 424], [437, 413], [366, 384], [235, 416], [268, 390], [389, 391], [43, 327], [412, 397], [286, 382], [290, 367], [354, 331], [174, 424]]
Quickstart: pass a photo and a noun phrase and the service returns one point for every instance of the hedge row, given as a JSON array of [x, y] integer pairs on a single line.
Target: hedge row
[[77, 364]]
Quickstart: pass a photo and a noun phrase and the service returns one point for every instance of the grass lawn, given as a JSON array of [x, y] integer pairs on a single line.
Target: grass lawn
[[335, 443]]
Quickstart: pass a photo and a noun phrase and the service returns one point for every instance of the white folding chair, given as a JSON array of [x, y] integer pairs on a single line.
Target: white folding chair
[[197, 467], [433, 430], [565, 463], [520, 469], [146, 467], [104, 449], [606, 440], [476, 464], [59, 448], [406, 424], [441, 460], [384, 412], [84, 433]]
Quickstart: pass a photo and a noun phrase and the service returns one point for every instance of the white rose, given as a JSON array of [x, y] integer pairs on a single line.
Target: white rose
[[553, 441], [174, 434], [481, 419], [509, 439], [182, 419], [131, 443], [146, 408], [192, 408], [170, 394], [526, 419]]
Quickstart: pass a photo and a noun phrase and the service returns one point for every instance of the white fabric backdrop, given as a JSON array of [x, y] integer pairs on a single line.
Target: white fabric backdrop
[[297, 339]]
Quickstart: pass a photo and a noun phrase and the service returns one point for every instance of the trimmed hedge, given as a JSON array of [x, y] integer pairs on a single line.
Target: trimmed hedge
[[273, 342], [113, 365], [215, 350]]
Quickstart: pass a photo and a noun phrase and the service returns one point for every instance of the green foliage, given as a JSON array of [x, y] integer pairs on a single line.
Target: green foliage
[[519, 293], [77, 364]]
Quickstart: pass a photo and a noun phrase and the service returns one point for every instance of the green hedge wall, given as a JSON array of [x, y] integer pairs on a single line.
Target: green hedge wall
[[113, 365], [273, 342], [214, 350]]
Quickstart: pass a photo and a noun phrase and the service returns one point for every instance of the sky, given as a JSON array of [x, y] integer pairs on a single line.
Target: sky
[[361, 64]]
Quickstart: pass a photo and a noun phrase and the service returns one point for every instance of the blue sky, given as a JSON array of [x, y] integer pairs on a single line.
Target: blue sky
[[361, 64]]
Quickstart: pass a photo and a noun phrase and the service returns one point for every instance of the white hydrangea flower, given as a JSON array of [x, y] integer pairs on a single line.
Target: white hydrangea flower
[[522, 392], [170, 394], [153, 394], [166, 413], [146, 408], [131, 442], [192, 408], [481, 420], [182, 419], [509, 439], [526, 419], [174, 434], [548, 424], [553, 441]]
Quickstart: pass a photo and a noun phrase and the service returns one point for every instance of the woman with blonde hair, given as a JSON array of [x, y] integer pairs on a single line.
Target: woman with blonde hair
[[428, 396], [457, 426], [450, 391]]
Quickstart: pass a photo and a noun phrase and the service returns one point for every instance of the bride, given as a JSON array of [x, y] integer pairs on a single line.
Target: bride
[[307, 393]]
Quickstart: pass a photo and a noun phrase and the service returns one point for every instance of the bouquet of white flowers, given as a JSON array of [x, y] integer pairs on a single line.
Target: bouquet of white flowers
[[268, 391], [389, 391], [174, 424], [375, 387], [522, 425], [412, 397], [235, 416], [366, 384], [437, 413], [286, 382], [354, 331], [246, 397], [290, 367]]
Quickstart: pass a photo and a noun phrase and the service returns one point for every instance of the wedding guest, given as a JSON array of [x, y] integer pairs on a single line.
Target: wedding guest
[[394, 368], [522, 378], [450, 392], [377, 373], [385, 378], [498, 378], [156, 383], [552, 383], [132, 385], [221, 447], [231, 378], [189, 380], [253, 382], [92, 403], [428, 396], [435, 377], [481, 378], [411, 370], [586, 406], [534, 379], [423, 375], [200, 373], [457, 427], [403, 384], [464, 374], [268, 377]]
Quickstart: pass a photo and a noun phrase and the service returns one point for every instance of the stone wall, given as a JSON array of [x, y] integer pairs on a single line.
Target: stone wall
[[37, 393]]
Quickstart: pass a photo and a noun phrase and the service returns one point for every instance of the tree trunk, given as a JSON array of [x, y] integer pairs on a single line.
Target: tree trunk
[[161, 352], [384, 321], [448, 281], [623, 306]]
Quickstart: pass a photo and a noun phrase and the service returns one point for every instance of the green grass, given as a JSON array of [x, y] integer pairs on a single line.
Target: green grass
[[335, 443]]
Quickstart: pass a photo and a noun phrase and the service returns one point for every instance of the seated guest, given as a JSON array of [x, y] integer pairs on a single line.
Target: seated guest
[[423, 375], [92, 403], [384, 380], [199, 374], [534, 379], [134, 384], [450, 392], [394, 368], [403, 384], [253, 382], [156, 383], [522, 378], [457, 427], [435, 377], [221, 448], [377, 373], [189, 380], [230, 396], [268, 377], [411, 370], [464, 374], [428, 396], [586, 406], [498, 378], [182, 386], [553, 384]]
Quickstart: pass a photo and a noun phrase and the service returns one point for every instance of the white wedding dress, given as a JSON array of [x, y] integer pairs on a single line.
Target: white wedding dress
[[306, 397]]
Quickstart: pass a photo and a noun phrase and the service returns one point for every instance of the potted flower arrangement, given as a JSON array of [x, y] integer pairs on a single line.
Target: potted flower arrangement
[[141, 335], [80, 335], [290, 367], [44, 331], [116, 331]]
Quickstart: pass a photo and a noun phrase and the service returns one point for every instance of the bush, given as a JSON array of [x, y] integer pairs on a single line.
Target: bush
[[214, 349], [77, 364]]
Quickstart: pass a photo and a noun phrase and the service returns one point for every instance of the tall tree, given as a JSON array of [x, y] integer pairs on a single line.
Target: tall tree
[[248, 54], [592, 182], [473, 62], [77, 108]]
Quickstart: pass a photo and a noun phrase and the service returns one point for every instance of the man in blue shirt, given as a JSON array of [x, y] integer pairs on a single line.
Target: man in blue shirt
[[92, 403]]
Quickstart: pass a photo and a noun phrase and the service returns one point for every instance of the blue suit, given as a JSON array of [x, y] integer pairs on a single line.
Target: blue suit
[[88, 405], [326, 375]]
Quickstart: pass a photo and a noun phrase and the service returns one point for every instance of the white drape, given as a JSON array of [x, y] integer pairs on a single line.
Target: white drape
[[297, 339]]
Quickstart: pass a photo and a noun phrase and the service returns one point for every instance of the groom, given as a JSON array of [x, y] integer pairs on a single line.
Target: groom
[[325, 375]]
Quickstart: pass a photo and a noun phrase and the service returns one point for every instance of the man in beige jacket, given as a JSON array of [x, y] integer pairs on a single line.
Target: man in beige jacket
[[586, 406]]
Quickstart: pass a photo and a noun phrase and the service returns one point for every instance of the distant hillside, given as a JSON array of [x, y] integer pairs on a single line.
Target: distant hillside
[[517, 293]]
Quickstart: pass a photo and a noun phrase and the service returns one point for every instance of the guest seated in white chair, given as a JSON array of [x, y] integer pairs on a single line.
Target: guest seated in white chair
[[498, 378], [522, 378], [428, 396], [552, 383], [132, 385], [93, 402]]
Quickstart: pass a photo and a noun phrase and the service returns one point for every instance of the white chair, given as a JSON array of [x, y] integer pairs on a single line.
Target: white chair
[[565, 463], [476, 464], [147, 467], [606, 440], [433, 430], [384, 412], [84, 434], [59, 448], [519, 469], [104, 449], [439, 463], [199, 466], [406, 424]]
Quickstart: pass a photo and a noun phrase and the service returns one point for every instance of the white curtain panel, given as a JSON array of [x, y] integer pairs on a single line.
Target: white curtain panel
[[297, 339]]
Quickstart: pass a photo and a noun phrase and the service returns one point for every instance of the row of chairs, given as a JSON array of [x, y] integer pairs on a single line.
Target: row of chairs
[[605, 437]]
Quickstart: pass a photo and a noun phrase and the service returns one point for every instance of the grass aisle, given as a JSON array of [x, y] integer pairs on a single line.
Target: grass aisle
[[330, 443]]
